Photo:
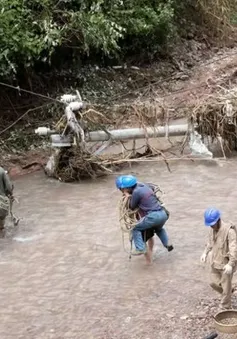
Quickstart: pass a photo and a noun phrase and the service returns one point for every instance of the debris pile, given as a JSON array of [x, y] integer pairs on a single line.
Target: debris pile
[[84, 160], [75, 164], [216, 117]]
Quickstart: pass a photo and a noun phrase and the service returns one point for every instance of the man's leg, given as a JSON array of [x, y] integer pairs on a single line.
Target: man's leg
[[143, 224], [162, 234], [138, 241], [160, 230], [151, 244], [148, 254], [148, 237], [148, 234], [226, 283], [3, 215], [2, 224], [215, 282]]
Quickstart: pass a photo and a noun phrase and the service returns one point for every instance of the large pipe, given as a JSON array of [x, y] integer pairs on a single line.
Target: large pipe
[[138, 133], [119, 134]]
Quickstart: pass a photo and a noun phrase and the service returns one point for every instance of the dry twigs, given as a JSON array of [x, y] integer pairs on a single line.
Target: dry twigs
[[217, 15], [216, 117], [74, 164]]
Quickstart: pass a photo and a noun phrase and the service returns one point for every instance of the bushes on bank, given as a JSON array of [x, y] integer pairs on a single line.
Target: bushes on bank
[[31, 31]]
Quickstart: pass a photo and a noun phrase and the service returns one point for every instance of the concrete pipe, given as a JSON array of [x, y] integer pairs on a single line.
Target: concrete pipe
[[138, 133]]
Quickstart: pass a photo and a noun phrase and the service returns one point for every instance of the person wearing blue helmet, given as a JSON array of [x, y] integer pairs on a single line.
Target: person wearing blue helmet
[[152, 215], [221, 249]]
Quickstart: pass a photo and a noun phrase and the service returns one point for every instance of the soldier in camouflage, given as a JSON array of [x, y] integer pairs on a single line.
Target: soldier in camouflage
[[6, 191]]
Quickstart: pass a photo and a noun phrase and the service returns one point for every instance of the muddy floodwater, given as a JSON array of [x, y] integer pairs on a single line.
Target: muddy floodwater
[[64, 274]]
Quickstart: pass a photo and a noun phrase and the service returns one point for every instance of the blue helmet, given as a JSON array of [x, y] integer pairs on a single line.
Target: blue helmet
[[125, 181], [211, 216]]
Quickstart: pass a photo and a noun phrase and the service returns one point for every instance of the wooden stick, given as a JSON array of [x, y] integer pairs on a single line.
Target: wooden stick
[[154, 160], [222, 148]]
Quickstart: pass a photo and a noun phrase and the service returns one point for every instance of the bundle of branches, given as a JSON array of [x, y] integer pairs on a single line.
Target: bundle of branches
[[75, 164], [216, 117]]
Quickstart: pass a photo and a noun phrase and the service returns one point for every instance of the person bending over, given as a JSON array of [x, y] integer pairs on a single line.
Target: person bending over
[[151, 213]]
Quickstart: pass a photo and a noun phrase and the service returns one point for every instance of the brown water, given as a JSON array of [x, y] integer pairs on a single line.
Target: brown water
[[64, 274]]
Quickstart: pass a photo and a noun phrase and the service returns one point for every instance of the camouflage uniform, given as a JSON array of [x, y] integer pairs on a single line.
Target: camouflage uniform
[[222, 249], [6, 189]]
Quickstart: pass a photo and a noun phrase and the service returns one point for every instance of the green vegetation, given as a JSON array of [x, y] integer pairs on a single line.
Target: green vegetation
[[32, 31]]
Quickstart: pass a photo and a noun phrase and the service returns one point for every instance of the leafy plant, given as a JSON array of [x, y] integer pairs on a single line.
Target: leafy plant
[[31, 31]]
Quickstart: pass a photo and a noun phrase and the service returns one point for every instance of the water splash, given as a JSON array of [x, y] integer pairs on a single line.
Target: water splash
[[27, 239]]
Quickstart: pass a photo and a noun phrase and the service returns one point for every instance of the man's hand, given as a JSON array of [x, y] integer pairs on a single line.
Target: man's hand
[[11, 197], [227, 269], [203, 257]]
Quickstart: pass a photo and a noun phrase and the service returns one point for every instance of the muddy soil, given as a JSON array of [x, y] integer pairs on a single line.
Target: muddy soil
[[64, 273]]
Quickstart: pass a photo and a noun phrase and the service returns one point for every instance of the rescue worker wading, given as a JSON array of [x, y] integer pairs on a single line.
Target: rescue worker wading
[[222, 250], [6, 189], [152, 214]]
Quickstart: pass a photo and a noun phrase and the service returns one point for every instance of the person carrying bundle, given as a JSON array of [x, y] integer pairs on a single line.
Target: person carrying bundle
[[151, 215], [221, 248], [6, 193]]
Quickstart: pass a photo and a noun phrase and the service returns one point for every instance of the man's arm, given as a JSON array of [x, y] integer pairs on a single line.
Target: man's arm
[[135, 199], [232, 240], [152, 186], [207, 249]]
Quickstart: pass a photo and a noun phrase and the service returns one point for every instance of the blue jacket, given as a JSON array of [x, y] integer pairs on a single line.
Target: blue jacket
[[144, 198]]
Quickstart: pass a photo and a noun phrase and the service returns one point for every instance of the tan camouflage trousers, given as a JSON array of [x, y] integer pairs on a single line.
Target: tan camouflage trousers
[[3, 214], [222, 283]]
